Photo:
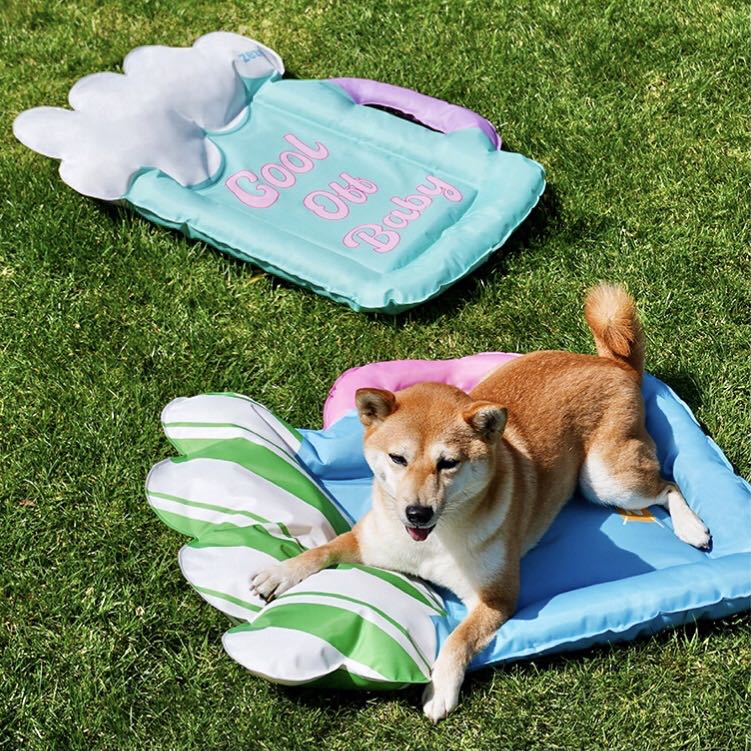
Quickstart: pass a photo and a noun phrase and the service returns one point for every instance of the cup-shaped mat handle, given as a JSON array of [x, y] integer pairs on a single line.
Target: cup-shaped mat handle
[[435, 113]]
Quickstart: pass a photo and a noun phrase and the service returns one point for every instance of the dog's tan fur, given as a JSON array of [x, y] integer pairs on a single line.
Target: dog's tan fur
[[524, 438]]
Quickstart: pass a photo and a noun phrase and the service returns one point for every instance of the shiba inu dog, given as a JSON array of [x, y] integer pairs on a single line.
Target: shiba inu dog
[[465, 484]]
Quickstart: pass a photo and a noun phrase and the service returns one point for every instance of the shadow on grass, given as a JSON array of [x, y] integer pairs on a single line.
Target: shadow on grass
[[534, 230], [684, 385], [700, 629], [331, 699]]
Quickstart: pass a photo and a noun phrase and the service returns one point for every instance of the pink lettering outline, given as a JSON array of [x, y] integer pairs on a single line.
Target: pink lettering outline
[[287, 180], [319, 152], [263, 200], [320, 211], [362, 233], [390, 220], [348, 192], [366, 186], [408, 217], [418, 203], [306, 164], [450, 193]]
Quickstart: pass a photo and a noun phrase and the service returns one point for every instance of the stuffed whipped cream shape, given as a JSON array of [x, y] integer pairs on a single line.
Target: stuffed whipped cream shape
[[241, 492]]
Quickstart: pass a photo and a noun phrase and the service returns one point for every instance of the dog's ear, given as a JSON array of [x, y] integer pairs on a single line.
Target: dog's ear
[[486, 419], [374, 405]]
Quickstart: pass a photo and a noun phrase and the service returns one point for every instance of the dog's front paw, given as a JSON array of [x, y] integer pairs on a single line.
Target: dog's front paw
[[276, 579], [441, 695]]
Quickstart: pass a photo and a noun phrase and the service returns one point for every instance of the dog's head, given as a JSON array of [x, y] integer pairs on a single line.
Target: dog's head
[[431, 449]]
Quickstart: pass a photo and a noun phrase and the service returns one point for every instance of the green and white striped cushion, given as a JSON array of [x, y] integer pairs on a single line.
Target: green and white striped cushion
[[240, 492]]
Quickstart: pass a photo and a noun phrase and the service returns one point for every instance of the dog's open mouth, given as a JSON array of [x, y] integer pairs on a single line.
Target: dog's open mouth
[[419, 533]]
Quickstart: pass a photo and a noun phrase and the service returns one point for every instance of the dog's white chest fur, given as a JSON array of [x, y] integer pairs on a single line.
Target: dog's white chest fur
[[447, 557]]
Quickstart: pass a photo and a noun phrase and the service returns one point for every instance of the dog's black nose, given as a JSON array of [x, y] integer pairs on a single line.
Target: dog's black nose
[[419, 515]]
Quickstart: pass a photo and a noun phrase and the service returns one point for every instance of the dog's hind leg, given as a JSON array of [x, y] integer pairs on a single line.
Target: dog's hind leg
[[686, 524], [626, 474]]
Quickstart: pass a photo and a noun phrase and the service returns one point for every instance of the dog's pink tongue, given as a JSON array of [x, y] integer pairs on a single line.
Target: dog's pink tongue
[[419, 533]]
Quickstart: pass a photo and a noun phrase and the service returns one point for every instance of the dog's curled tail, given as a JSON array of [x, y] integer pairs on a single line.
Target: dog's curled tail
[[611, 315]]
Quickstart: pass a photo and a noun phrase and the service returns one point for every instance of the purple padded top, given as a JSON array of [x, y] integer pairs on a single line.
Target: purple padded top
[[435, 113]]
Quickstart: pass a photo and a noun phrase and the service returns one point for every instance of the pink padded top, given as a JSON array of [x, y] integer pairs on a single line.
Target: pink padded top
[[465, 373]]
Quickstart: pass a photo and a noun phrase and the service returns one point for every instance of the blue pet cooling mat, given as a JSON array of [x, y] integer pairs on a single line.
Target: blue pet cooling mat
[[250, 490]]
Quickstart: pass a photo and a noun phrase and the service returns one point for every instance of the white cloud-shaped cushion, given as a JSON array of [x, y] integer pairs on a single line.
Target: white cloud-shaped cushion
[[153, 115]]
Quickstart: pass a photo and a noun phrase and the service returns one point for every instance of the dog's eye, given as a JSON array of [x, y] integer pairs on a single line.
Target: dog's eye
[[398, 459], [447, 463]]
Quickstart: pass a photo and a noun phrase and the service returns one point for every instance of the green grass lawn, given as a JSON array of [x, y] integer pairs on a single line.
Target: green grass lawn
[[638, 112]]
